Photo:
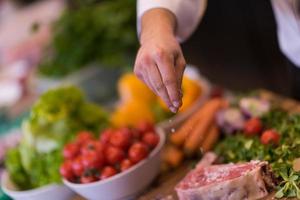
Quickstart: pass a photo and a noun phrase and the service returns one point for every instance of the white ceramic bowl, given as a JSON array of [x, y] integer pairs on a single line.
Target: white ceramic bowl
[[48, 192], [173, 123], [128, 184]]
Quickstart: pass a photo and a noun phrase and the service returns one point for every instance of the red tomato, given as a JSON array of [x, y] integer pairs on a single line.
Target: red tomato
[[66, 170], [108, 171], [77, 166], [71, 150], [92, 146], [145, 126], [93, 160], [126, 164], [136, 134], [270, 137], [114, 155], [88, 179], [84, 136], [126, 131], [253, 126], [151, 139], [105, 135], [137, 152], [121, 139]]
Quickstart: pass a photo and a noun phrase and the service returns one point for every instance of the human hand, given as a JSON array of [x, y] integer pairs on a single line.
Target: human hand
[[160, 63]]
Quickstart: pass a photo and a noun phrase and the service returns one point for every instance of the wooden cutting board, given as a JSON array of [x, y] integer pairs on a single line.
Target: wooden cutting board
[[163, 188]]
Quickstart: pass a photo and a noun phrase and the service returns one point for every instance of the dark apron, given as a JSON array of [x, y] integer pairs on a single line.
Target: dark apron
[[236, 46]]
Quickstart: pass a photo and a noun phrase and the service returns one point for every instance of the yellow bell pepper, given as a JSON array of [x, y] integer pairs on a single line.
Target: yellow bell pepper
[[131, 113], [131, 88]]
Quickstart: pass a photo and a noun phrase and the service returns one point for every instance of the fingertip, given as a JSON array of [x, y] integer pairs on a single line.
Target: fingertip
[[173, 109], [176, 104]]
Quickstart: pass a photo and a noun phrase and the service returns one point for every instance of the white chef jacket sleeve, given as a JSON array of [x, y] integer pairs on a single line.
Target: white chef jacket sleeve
[[288, 28], [188, 14]]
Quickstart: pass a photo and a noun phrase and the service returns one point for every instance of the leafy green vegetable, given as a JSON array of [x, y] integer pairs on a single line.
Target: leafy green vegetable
[[15, 168], [289, 185], [60, 112], [53, 121], [44, 169], [93, 32], [241, 148]]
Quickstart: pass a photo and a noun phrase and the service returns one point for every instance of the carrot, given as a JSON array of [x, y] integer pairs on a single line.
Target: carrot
[[196, 137], [173, 156], [183, 132], [211, 139]]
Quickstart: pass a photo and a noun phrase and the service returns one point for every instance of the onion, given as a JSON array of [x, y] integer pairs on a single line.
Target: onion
[[230, 120], [254, 107]]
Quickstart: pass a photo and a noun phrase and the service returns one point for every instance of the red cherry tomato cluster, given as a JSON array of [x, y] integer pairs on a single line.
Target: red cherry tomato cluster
[[88, 159], [254, 126]]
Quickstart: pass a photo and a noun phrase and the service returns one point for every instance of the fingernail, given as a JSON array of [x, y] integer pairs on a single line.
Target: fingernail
[[173, 110], [176, 104]]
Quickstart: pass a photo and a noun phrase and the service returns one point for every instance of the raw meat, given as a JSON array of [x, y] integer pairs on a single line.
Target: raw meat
[[224, 182]]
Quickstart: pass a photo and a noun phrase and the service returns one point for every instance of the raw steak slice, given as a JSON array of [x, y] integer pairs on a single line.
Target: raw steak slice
[[224, 182]]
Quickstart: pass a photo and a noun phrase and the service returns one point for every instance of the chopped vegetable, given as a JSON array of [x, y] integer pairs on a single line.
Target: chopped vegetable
[[254, 107], [230, 120]]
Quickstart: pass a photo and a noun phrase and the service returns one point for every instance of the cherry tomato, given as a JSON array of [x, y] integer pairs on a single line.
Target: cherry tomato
[[108, 171], [137, 152], [121, 139], [71, 150], [91, 146], [114, 155], [77, 166], [126, 164], [105, 135], [136, 134], [126, 131], [88, 179], [66, 170], [253, 126], [93, 160], [84, 136], [151, 139], [270, 137], [145, 126]]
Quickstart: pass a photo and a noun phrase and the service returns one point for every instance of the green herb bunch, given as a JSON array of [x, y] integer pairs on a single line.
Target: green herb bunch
[[238, 148]]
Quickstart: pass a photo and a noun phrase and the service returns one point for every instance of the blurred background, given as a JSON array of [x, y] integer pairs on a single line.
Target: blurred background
[[46, 42]]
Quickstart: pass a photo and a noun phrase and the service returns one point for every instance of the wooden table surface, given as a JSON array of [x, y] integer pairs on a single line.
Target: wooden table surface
[[163, 188]]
